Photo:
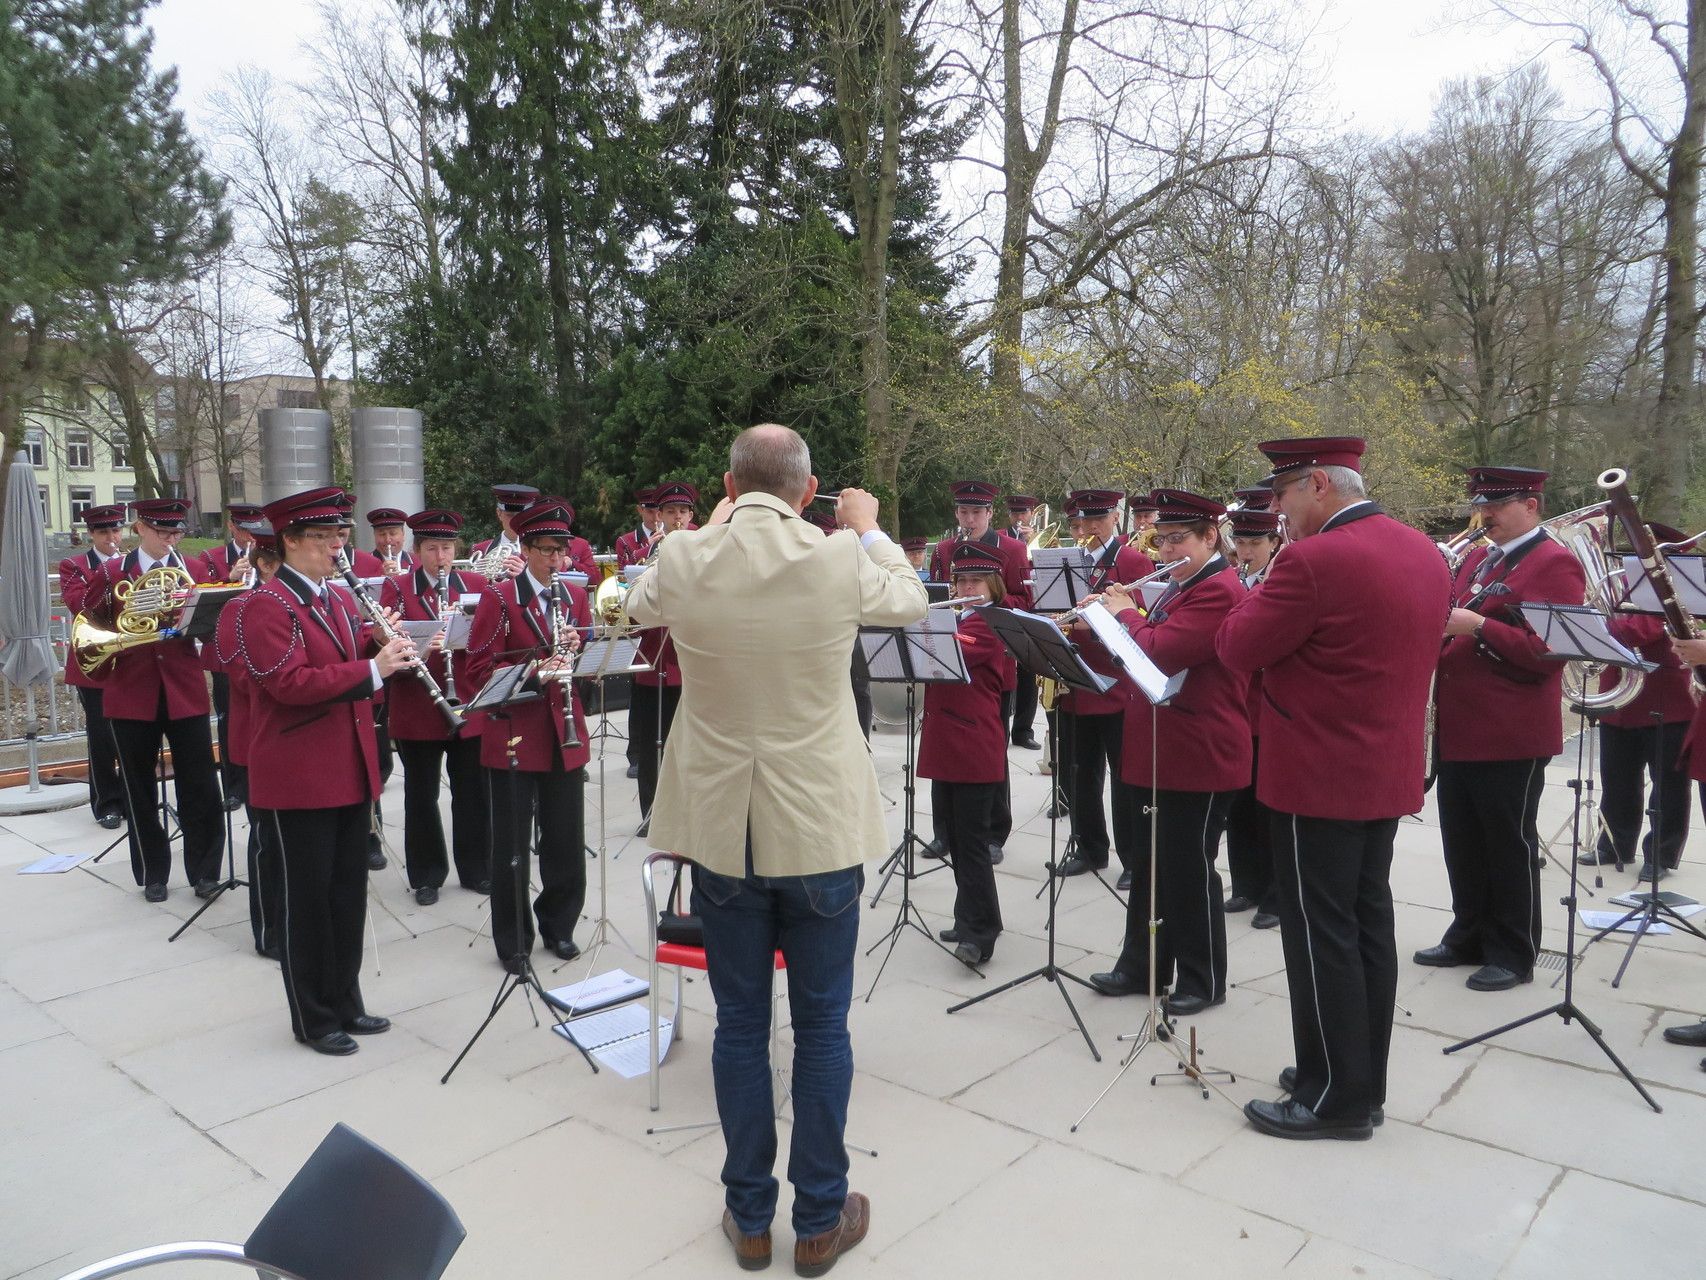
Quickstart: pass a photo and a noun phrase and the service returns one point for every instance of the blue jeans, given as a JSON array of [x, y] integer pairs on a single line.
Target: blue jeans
[[814, 921]]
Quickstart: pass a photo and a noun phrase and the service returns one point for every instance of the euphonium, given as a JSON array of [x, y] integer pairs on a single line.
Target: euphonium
[[1586, 534]]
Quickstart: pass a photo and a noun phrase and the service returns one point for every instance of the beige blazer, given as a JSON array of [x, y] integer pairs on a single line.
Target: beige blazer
[[763, 611]]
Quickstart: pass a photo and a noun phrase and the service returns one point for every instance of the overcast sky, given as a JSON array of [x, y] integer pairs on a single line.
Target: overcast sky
[[1384, 59]]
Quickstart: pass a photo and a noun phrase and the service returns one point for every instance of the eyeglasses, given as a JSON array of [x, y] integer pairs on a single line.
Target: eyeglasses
[[552, 551], [1174, 539]]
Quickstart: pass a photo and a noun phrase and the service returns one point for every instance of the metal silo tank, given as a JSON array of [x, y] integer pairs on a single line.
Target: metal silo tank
[[296, 451], [390, 469]]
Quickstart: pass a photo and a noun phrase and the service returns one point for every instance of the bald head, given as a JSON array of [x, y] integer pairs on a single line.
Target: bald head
[[771, 459]]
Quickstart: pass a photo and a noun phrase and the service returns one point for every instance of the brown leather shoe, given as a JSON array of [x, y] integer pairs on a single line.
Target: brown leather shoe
[[815, 1255], [752, 1252]]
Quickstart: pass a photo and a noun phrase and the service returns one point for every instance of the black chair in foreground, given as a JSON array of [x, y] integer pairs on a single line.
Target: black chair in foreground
[[352, 1212]]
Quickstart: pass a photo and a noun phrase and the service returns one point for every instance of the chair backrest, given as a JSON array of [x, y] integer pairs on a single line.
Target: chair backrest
[[355, 1212]]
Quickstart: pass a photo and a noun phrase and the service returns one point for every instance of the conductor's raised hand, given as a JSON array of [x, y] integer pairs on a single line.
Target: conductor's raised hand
[[856, 509]]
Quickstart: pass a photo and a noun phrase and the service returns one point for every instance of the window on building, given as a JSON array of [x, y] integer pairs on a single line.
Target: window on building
[[115, 407], [121, 453], [231, 406], [46, 509], [234, 487], [173, 464], [79, 449], [82, 498], [124, 493], [35, 447], [166, 409], [77, 397], [288, 399]]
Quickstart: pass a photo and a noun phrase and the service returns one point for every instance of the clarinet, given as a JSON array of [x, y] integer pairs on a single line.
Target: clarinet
[[561, 628], [370, 610], [449, 658]]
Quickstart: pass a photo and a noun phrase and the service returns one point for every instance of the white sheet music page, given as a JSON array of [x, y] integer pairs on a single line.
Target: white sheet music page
[[1155, 684]]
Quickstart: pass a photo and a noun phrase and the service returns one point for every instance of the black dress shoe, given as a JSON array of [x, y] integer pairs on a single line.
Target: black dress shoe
[[1291, 1119], [997, 855], [1123, 884], [1238, 902], [1646, 872], [1185, 1006], [645, 827], [1493, 977], [1115, 983], [970, 953], [232, 802], [1057, 811], [1288, 1082], [271, 953], [367, 1024], [1077, 865], [949, 935], [565, 950], [1264, 920], [111, 821], [205, 889], [426, 895], [1694, 1034], [375, 860], [935, 849], [337, 1043], [154, 893], [1440, 957], [633, 771], [1028, 741], [1598, 858], [484, 888]]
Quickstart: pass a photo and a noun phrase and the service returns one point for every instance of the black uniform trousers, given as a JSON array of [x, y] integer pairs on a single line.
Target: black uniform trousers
[[1487, 824], [423, 829], [553, 805], [106, 791], [1626, 757], [1192, 937], [200, 815], [382, 740], [266, 882], [1249, 858], [323, 855], [968, 809], [1341, 957], [1024, 707], [1001, 813], [1091, 756], [643, 711], [233, 777]]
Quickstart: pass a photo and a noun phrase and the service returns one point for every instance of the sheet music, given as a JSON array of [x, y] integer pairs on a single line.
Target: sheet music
[[600, 991], [456, 637], [574, 577], [931, 645], [421, 631], [55, 864], [608, 656], [1150, 680], [619, 1038], [1687, 572], [503, 686], [1061, 577], [1579, 632]]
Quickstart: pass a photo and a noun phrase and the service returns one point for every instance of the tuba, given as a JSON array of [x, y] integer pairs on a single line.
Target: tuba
[[149, 610]]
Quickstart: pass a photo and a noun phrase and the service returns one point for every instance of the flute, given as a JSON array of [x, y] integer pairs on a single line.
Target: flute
[[1072, 614]]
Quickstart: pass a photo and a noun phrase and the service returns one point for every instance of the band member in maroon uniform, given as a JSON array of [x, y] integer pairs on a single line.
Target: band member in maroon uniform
[[1092, 724], [916, 551], [580, 557], [1258, 497], [1499, 720], [1692, 653], [387, 524], [1020, 510], [371, 570], [533, 615], [1345, 631], [962, 750], [657, 692], [511, 500], [428, 747], [314, 762], [76, 573], [1255, 539], [266, 888], [631, 544], [1180, 763], [1632, 744], [1142, 511], [974, 504], [154, 692], [230, 563]]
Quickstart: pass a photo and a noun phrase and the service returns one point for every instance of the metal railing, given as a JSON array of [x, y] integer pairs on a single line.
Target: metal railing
[[56, 715]]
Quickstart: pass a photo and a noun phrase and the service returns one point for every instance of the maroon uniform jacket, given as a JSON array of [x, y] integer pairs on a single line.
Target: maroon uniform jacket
[[312, 743], [508, 628], [410, 713], [131, 683], [365, 563], [631, 548], [1204, 733], [1345, 630], [76, 576], [226, 655], [217, 561], [1128, 564], [1015, 577], [961, 739], [1666, 690], [1500, 697]]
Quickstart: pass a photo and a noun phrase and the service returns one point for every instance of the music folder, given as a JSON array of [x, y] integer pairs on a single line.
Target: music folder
[[506, 687], [1041, 647], [200, 616], [1580, 633], [1060, 578], [922, 652], [1154, 683]]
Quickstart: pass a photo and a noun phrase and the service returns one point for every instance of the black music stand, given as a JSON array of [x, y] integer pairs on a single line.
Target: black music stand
[[507, 689], [1038, 643], [1060, 578], [925, 652], [1576, 633]]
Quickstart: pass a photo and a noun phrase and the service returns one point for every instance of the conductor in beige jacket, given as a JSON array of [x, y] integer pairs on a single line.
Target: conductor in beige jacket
[[768, 786]]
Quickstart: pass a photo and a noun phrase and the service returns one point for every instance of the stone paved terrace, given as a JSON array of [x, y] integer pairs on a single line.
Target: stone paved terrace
[[151, 1091]]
